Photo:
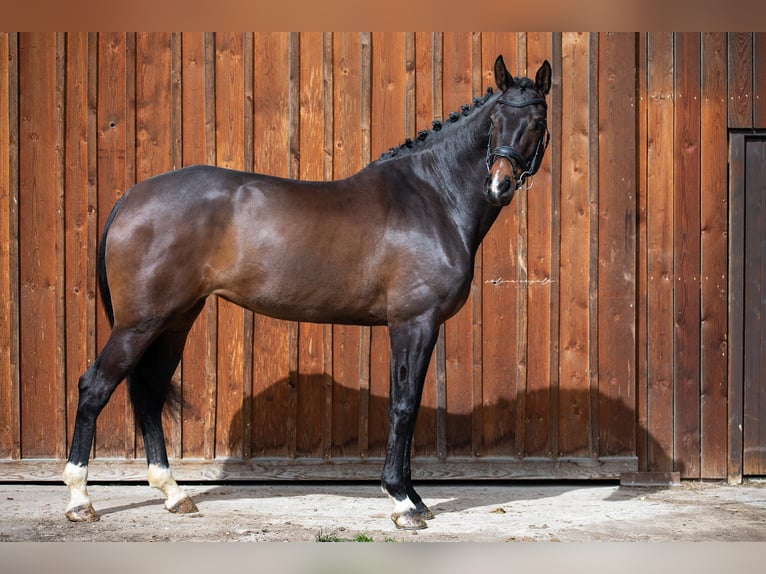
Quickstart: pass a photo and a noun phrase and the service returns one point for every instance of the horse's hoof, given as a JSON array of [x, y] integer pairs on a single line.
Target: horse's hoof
[[410, 520], [183, 506], [82, 513], [425, 512]]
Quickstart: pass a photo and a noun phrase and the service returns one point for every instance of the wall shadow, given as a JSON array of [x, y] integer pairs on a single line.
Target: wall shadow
[[500, 423]]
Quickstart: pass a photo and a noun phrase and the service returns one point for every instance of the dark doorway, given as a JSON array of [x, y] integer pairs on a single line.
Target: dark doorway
[[748, 296]]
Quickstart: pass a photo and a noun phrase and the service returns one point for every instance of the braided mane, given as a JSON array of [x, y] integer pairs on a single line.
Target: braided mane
[[410, 145]]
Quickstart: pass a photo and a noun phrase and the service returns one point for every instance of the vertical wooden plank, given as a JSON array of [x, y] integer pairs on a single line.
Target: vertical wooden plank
[[574, 340], [211, 306], [365, 341], [248, 321], [736, 307], [687, 251], [294, 141], [194, 145], [642, 336], [477, 294], [80, 214], [713, 246], [328, 103], [387, 129], [347, 159], [427, 65], [59, 247], [154, 143], [311, 340], [555, 120], [6, 327], [522, 280], [759, 80], [659, 252], [230, 133], [273, 409], [500, 300], [37, 243], [458, 90], [113, 431], [154, 139], [542, 211], [10, 431], [740, 51], [439, 360], [617, 244], [594, 190]]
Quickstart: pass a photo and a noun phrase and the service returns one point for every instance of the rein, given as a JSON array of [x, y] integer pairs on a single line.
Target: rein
[[507, 152]]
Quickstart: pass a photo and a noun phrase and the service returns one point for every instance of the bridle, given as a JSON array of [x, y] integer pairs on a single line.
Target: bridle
[[528, 169]]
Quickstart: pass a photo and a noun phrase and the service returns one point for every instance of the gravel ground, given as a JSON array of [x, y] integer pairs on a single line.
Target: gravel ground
[[465, 512]]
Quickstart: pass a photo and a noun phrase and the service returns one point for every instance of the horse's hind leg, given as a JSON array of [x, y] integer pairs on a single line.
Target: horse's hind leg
[[96, 385], [149, 385]]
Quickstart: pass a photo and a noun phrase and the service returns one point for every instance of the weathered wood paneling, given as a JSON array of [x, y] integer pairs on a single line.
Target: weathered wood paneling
[[39, 217], [597, 328], [198, 147], [10, 440], [686, 247], [714, 262], [115, 124], [574, 376], [658, 303], [616, 243], [501, 303], [80, 215]]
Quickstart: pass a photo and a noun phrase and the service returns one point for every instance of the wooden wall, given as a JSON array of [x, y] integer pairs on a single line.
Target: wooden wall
[[594, 340]]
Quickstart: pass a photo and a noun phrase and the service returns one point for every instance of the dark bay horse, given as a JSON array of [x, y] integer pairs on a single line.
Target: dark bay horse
[[391, 245]]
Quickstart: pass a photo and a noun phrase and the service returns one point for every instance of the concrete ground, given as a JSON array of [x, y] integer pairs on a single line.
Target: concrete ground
[[465, 512]]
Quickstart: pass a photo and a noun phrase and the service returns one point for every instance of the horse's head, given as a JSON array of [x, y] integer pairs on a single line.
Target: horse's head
[[518, 133]]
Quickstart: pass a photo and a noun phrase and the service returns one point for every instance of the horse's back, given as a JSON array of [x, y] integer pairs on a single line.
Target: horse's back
[[290, 249]]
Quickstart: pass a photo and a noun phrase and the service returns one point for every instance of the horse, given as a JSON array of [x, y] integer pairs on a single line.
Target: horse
[[393, 245]]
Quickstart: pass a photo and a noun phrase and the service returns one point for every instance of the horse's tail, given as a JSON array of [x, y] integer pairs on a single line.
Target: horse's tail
[[103, 282]]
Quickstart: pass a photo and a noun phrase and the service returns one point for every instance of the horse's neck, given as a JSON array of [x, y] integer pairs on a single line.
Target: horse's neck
[[457, 171]]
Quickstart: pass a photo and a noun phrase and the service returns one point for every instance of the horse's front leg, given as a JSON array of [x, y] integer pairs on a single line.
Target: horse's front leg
[[411, 347]]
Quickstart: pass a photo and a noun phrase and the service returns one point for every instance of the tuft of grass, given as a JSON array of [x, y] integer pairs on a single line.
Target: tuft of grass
[[363, 538], [332, 536]]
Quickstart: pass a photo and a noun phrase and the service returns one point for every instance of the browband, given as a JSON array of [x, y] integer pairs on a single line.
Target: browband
[[532, 102]]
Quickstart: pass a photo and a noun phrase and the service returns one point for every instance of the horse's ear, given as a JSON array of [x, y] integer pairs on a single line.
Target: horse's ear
[[543, 78], [503, 79]]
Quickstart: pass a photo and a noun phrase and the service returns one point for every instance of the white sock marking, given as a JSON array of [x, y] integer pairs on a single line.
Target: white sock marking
[[402, 506], [76, 478], [162, 479]]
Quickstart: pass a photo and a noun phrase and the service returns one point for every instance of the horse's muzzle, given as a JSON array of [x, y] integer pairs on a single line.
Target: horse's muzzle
[[499, 193]]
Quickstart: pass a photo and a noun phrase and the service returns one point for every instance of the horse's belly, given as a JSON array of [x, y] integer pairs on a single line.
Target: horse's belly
[[303, 301]]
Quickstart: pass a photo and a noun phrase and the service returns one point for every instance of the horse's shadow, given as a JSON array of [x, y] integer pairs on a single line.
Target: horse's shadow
[[502, 414]]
